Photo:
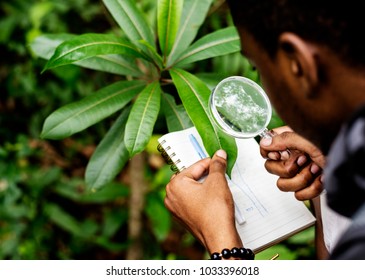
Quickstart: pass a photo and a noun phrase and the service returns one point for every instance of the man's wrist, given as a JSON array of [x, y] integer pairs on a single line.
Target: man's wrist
[[223, 239]]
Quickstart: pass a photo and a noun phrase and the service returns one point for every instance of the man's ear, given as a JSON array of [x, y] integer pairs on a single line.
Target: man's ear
[[300, 56]]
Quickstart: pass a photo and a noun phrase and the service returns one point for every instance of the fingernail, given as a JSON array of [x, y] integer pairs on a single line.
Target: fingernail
[[273, 155], [266, 141], [284, 155], [314, 168], [301, 160], [222, 154]]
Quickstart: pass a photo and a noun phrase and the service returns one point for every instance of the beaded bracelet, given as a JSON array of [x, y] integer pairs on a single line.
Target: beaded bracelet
[[239, 253]]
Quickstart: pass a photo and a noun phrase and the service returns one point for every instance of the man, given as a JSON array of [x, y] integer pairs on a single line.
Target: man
[[310, 58]]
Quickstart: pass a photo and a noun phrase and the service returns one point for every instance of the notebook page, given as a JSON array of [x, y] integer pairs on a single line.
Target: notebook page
[[271, 215], [178, 146]]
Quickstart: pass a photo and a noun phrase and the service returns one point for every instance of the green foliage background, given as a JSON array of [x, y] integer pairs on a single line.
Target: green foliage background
[[46, 211]]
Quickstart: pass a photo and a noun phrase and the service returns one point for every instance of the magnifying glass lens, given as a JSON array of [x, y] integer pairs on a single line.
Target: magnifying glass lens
[[240, 107]]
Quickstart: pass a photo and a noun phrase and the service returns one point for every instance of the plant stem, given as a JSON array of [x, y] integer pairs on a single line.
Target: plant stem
[[136, 205]]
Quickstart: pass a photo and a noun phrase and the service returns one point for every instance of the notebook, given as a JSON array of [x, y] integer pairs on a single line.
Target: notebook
[[264, 214]]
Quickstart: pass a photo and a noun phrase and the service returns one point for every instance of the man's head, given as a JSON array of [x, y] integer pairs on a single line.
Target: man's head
[[310, 54]]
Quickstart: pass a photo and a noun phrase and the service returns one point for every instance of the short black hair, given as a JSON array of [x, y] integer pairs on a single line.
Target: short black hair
[[339, 25]]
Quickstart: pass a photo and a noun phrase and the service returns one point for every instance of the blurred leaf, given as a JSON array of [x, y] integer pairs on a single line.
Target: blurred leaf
[[304, 237], [283, 251], [152, 144], [142, 118], [162, 177], [110, 192], [11, 239], [218, 43], [195, 97], [110, 155], [168, 19], [90, 45], [7, 25], [249, 71], [159, 216], [12, 194], [38, 11], [43, 178], [45, 45], [113, 220], [176, 116], [64, 220], [130, 20], [211, 79], [109, 245], [79, 115], [275, 121], [230, 64], [193, 15], [13, 211], [89, 227]]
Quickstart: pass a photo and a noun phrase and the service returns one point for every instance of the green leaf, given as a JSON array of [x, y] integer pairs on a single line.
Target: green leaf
[[284, 253], [195, 97], [211, 79], [275, 121], [151, 52], [168, 19], [218, 43], [44, 46], [112, 63], [142, 118], [176, 116], [109, 193], [64, 220], [90, 45], [193, 15], [131, 20], [158, 215], [113, 220], [110, 155], [79, 115], [304, 237]]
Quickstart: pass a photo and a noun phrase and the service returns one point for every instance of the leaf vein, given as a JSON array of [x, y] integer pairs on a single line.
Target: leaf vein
[[143, 115], [201, 103], [91, 44], [205, 47], [94, 105]]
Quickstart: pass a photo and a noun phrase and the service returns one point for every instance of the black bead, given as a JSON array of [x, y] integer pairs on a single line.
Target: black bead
[[243, 253], [215, 256], [226, 254], [250, 254], [235, 252]]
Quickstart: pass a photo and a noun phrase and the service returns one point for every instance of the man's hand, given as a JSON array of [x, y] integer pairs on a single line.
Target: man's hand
[[205, 208], [300, 170]]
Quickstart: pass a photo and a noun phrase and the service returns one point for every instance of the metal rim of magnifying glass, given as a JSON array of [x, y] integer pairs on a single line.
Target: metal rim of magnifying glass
[[226, 128]]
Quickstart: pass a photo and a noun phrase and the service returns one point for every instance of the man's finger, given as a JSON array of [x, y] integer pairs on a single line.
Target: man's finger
[[197, 170], [218, 163]]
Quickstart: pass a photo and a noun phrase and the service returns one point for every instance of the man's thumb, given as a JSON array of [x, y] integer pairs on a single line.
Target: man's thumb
[[219, 162]]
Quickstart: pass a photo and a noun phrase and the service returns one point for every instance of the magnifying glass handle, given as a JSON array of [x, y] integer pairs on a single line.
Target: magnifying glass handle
[[270, 134], [267, 133]]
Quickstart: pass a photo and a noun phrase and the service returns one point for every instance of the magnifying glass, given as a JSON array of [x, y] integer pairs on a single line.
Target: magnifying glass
[[241, 108]]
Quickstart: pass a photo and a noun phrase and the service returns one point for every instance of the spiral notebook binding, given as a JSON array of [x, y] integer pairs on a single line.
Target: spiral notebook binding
[[168, 158]]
